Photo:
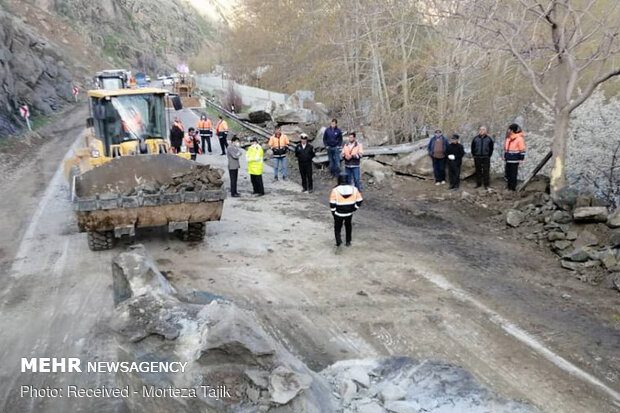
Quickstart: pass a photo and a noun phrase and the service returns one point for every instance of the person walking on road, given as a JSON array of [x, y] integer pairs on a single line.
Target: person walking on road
[[279, 146], [221, 130], [437, 151], [234, 153], [344, 200], [255, 166], [482, 150], [455, 154], [514, 154], [332, 139], [305, 153], [352, 153], [205, 128], [177, 132]]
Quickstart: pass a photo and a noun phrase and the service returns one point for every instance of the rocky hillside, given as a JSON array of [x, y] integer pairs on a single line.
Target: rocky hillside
[[46, 46]]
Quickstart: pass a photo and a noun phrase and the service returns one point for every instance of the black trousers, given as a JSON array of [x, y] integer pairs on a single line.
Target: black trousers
[[338, 221], [512, 172], [257, 184], [206, 138], [223, 141], [233, 173], [454, 173], [483, 166], [305, 169]]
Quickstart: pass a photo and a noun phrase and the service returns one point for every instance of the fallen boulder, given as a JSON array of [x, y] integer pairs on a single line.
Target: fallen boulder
[[514, 218], [565, 198], [417, 163], [586, 239], [613, 220], [590, 214]]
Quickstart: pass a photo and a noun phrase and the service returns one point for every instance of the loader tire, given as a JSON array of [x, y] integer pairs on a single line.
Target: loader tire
[[195, 232], [100, 240]]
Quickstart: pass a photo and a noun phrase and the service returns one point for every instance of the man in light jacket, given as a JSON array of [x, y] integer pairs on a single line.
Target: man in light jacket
[[233, 153]]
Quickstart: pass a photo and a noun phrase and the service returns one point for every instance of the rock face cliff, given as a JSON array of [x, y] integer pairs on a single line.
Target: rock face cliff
[[31, 71], [46, 46]]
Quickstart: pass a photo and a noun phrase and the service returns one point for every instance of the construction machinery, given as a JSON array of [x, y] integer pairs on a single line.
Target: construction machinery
[[112, 79], [184, 86], [123, 176]]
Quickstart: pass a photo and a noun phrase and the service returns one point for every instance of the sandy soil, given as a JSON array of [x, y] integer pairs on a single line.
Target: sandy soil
[[422, 279]]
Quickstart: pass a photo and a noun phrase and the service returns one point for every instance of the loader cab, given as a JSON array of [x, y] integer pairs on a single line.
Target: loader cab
[[112, 79], [127, 122]]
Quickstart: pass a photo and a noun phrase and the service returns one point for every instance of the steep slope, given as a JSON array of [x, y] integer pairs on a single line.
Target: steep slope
[[46, 46]]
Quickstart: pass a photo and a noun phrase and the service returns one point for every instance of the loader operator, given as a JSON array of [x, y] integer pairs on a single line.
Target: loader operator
[[133, 124], [205, 128]]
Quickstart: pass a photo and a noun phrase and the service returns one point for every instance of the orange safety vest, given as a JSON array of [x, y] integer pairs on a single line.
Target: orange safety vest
[[222, 126], [204, 124], [344, 200], [192, 144], [514, 148], [352, 153]]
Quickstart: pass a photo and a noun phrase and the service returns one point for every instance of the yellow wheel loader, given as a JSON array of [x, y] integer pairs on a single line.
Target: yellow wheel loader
[[123, 176]]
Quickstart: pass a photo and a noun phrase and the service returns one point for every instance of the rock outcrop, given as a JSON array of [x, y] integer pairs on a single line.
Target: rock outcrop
[[31, 72]]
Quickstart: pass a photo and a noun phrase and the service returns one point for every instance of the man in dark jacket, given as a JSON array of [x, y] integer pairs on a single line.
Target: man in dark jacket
[[482, 150], [304, 153], [437, 151], [177, 133], [455, 153], [332, 139]]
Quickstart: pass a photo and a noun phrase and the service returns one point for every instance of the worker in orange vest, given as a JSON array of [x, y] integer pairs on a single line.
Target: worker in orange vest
[[344, 200], [205, 128], [352, 153], [514, 154], [132, 82], [279, 146], [221, 130], [192, 143]]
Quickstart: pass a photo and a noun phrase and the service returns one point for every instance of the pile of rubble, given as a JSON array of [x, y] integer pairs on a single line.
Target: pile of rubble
[[579, 228], [198, 178], [224, 345]]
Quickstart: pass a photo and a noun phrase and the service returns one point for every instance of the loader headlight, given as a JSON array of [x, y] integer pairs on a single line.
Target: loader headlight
[[94, 153]]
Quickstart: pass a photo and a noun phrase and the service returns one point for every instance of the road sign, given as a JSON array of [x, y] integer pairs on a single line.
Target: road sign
[[23, 110], [75, 92]]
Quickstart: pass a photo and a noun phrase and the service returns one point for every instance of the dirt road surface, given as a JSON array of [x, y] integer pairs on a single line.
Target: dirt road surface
[[410, 285]]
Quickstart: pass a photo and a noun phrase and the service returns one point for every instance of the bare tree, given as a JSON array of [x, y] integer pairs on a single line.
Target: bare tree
[[566, 49]]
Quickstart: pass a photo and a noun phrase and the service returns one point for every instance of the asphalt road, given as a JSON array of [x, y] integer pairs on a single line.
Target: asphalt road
[[274, 255]]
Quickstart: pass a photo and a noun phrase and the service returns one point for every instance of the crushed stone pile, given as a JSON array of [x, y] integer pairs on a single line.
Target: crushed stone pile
[[200, 178]]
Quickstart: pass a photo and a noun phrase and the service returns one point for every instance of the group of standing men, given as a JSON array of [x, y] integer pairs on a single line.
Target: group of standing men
[[450, 154], [198, 140]]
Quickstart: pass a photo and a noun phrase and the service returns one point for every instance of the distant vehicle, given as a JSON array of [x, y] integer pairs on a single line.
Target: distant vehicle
[[168, 81], [112, 79], [141, 80], [148, 79]]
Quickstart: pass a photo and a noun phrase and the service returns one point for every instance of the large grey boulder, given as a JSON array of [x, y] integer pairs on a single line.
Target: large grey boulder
[[134, 273], [590, 214], [613, 220], [417, 163], [586, 239], [216, 340], [566, 198]]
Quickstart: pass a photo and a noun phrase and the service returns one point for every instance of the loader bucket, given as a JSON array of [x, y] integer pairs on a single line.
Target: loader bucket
[[121, 175]]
